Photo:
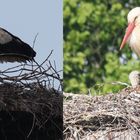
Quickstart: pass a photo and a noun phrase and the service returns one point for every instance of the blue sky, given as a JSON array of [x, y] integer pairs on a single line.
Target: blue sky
[[26, 18]]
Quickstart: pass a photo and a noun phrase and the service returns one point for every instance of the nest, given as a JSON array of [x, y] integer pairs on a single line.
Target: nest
[[31, 102], [110, 117], [47, 103]]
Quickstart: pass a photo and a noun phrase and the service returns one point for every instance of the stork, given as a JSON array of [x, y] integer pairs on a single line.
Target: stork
[[132, 35], [13, 49]]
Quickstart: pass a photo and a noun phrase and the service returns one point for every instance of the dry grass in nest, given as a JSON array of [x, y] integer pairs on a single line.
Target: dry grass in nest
[[113, 116]]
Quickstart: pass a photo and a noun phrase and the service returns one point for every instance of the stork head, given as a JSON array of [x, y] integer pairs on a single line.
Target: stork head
[[134, 15], [134, 78], [133, 19]]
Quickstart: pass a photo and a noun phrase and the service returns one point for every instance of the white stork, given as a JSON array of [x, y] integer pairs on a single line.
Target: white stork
[[132, 35], [13, 49]]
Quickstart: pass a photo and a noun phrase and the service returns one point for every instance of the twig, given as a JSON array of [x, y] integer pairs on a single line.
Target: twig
[[33, 124]]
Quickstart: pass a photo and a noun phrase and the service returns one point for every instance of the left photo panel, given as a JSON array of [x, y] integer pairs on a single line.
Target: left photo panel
[[31, 70]]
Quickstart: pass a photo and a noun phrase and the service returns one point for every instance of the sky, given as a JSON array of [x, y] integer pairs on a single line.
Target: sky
[[26, 18]]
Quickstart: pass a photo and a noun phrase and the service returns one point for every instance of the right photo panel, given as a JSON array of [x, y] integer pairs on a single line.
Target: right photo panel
[[101, 69]]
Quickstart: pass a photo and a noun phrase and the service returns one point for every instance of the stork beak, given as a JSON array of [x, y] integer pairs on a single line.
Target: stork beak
[[127, 34]]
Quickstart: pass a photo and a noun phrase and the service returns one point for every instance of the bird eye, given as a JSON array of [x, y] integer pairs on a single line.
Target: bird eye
[[135, 18]]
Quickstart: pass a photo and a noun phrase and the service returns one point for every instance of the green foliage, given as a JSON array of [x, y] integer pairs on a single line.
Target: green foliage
[[93, 31]]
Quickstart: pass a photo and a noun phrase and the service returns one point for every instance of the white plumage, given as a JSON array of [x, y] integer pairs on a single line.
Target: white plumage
[[134, 78], [132, 35]]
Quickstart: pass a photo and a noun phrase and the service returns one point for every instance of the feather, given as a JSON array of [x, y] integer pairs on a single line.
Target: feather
[[14, 49]]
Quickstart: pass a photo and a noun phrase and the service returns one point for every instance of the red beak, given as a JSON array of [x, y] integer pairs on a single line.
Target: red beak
[[127, 34]]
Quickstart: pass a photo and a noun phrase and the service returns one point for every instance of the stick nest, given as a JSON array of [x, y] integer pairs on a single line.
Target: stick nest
[[110, 117], [34, 88]]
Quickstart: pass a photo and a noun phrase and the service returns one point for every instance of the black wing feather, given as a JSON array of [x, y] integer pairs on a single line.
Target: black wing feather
[[16, 48]]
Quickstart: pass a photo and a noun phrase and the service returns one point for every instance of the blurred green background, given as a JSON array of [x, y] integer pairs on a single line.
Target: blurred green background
[[93, 31]]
